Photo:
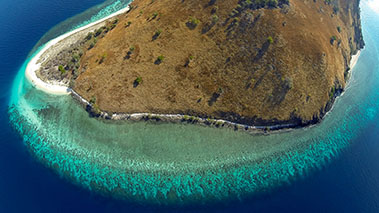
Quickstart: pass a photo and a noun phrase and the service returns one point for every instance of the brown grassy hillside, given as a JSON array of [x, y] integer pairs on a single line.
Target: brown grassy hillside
[[277, 64]]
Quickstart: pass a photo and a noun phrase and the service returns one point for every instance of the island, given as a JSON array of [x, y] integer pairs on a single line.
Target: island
[[265, 65], [149, 77]]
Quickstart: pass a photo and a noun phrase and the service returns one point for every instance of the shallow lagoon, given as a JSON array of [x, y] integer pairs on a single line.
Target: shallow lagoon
[[169, 162]]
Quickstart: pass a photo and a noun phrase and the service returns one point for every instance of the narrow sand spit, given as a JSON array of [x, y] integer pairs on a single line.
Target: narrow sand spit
[[58, 88]]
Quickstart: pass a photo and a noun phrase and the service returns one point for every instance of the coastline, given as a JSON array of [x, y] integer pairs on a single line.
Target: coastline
[[354, 59], [218, 123], [57, 88]]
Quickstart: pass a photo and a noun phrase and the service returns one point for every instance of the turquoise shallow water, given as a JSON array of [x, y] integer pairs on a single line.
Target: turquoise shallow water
[[168, 163]]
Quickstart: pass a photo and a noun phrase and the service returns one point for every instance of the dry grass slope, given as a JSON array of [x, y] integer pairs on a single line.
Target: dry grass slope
[[253, 62]]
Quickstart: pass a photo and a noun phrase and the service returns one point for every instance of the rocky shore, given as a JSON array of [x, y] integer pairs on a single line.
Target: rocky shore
[[176, 118], [209, 122]]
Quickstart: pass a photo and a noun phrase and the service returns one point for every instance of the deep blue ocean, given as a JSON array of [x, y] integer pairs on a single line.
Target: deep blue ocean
[[349, 183]]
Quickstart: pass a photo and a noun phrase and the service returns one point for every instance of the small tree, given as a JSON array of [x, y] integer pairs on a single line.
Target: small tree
[[192, 23], [92, 45], [339, 29], [128, 24], [157, 34], [98, 32], [155, 14], [89, 36], [137, 82], [159, 60]]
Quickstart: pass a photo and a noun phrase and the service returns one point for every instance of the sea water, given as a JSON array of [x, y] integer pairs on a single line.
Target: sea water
[[171, 163]]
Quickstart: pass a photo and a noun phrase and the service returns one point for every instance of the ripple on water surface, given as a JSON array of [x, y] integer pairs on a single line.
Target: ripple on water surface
[[168, 163]]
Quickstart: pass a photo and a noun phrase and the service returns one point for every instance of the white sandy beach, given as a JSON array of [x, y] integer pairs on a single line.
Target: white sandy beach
[[35, 62], [354, 59]]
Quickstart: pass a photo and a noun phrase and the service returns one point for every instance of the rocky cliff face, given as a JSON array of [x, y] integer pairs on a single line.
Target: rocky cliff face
[[252, 62]]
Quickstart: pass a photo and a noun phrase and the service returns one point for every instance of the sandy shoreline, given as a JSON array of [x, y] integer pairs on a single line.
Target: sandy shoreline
[[354, 59], [35, 63]]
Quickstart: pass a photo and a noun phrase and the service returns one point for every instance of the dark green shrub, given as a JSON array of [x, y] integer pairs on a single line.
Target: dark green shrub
[[137, 82], [157, 34], [92, 100], [61, 69], [98, 32], [89, 36], [128, 24], [155, 15], [192, 23], [159, 60]]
